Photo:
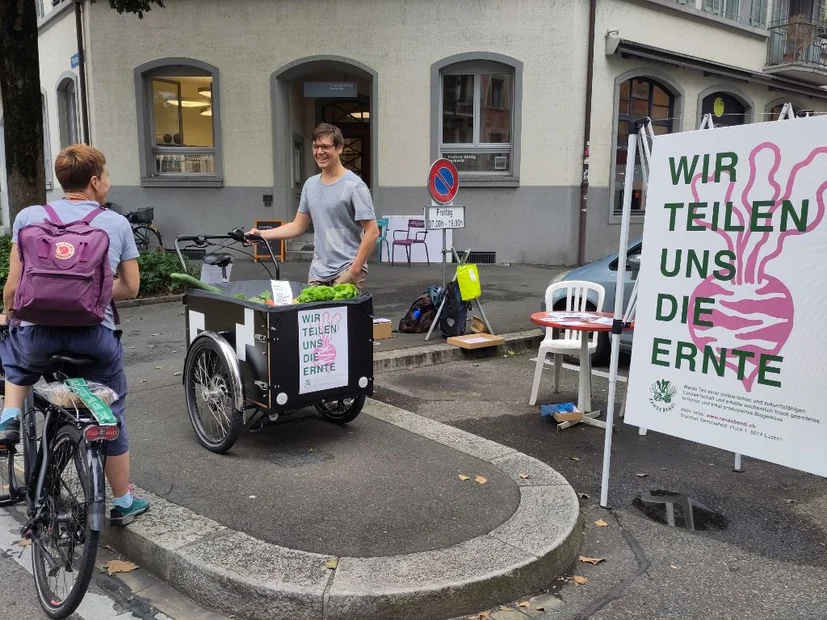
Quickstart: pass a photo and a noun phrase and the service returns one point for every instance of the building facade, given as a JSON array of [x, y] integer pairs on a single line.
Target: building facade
[[205, 109]]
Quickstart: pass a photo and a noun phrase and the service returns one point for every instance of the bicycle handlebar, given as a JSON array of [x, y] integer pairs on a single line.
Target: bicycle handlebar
[[236, 234]]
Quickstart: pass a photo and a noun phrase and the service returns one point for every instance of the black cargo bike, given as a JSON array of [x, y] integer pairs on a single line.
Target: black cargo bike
[[251, 363]]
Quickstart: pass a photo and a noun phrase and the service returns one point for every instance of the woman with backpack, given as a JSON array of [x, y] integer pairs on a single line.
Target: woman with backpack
[[59, 297]]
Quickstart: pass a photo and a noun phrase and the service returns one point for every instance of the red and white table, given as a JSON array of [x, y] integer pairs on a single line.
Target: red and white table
[[585, 323]]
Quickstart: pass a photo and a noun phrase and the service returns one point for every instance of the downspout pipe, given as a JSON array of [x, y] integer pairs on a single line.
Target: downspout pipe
[[84, 106], [587, 128]]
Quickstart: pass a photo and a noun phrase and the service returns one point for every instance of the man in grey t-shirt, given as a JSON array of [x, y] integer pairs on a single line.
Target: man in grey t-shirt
[[344, 223]]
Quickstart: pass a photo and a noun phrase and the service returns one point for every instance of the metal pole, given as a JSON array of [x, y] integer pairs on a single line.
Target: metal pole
[[631, 154], [444, 252]]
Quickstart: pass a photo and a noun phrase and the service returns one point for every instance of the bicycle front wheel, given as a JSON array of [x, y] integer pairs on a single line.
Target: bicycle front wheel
[[64, 555]]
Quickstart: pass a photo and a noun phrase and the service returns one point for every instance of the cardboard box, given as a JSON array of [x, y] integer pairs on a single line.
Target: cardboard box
[[476, 341], [561, 412], [382, 328]]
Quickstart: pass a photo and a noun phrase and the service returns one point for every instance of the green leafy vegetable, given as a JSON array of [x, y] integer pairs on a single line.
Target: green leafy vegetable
[[345, 291], [239, 296], [193, 282], [327, 293]]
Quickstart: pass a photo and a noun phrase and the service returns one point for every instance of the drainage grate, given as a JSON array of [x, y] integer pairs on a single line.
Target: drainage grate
[[481, 258]]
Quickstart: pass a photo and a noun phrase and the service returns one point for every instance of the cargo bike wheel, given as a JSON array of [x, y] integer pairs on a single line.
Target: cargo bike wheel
[[342, 410], [214, 392]]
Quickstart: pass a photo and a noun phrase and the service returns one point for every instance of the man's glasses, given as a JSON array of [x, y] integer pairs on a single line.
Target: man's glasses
[[322, 147]]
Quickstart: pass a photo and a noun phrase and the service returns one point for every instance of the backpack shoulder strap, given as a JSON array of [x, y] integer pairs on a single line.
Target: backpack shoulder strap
[[92, 215], [52, 214]]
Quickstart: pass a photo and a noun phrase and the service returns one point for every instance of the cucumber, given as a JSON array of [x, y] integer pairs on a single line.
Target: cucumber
[[192, 282]]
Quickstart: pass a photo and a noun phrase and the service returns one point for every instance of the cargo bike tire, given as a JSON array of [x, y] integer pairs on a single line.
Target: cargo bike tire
[[214, 392], [341, 411]]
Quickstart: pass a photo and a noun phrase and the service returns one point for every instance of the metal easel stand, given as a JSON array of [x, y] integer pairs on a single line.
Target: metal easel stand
[[461, 260], [640, 144]]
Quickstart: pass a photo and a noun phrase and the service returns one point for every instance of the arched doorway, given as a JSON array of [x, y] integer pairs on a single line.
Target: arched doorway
[[726, 110], [307, 92]]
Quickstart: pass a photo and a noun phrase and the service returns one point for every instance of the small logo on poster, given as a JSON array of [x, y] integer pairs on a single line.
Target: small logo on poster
[[662, 394]]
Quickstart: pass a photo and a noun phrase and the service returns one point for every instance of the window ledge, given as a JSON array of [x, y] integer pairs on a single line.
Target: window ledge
[[489, 182], [616, 218], [46, 22], [705, 16], [182, 181]]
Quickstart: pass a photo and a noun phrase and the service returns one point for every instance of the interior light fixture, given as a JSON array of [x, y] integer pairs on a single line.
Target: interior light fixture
[[205, 91], [189, 103], [360, 115], [206, 112]]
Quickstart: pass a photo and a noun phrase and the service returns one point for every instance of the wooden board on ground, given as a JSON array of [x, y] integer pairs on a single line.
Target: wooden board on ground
[[476, 341]]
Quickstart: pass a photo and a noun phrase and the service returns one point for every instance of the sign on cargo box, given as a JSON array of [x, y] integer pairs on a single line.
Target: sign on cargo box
[[323, 363]]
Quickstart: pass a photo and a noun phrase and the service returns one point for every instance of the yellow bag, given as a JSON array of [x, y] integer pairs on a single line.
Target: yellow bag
[[468, 280]]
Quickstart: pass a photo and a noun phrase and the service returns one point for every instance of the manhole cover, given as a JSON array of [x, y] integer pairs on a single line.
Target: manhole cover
[[678, 510]]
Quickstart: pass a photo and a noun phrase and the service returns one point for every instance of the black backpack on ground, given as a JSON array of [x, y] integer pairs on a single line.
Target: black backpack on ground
[[454, 315], [418, 318]]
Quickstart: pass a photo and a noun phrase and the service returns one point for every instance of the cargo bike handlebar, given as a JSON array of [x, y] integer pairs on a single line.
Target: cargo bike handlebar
[[230, 239]]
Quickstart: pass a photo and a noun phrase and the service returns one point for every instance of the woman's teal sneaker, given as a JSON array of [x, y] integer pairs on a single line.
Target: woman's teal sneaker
[[10, 432], [124, 516]]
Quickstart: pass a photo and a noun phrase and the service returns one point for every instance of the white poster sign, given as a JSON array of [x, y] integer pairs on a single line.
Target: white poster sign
[[282, 293], [728, 349], [323, 362], [444, 217]]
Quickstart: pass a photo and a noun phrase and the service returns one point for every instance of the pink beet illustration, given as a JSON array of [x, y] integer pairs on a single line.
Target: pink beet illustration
[[755, 311], [327, 352]]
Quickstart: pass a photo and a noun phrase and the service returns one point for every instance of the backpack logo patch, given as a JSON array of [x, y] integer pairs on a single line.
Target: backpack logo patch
[[64, 251]]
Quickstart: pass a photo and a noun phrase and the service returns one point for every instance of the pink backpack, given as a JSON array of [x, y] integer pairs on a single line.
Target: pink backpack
[[67, 278]]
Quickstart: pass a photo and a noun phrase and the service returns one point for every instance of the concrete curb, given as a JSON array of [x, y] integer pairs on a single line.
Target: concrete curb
[[430, 354], [239, 574], [149, 301]]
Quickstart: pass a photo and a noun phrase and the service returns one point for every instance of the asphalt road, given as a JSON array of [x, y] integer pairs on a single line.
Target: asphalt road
[[767, 557]]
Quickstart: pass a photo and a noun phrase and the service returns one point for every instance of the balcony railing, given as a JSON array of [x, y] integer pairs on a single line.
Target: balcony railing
[[798, 41]]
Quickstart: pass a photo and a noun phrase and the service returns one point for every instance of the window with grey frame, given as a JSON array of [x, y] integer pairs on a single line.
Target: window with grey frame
[[180, 126], [68, 113], [639, 98], [749, 12], [477, 119]]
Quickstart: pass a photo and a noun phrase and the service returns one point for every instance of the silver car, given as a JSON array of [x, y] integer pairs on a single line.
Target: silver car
[[604, 272]]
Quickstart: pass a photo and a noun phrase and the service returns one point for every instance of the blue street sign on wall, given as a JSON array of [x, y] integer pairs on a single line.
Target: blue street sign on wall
[[75, 60]]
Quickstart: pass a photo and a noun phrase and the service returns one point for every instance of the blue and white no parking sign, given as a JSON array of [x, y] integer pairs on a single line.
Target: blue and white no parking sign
[[443, 181]]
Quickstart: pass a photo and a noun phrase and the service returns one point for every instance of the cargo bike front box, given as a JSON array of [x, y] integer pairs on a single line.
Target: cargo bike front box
[[261, 361]]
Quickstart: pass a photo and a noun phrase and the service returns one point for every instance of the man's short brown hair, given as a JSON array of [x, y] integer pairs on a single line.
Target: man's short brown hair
[[326, 130], [76, 165]]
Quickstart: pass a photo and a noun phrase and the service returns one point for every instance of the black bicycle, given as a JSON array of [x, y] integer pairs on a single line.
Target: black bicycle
[[60, 476], [147, 235]]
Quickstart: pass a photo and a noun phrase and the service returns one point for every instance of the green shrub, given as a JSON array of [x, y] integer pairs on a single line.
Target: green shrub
[[155, 270], [5, 251]]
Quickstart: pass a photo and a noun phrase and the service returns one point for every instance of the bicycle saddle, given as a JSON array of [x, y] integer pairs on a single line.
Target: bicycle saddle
[[73, 360], [220, 260]]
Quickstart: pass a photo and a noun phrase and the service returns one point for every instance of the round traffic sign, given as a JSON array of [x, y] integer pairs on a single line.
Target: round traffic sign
[[443, 181]]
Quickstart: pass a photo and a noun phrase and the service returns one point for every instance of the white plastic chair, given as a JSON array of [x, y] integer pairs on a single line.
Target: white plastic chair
[[577, 300]]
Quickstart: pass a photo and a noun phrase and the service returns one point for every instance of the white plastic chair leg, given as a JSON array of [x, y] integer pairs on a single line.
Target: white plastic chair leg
[[538, 373], [558, 367]]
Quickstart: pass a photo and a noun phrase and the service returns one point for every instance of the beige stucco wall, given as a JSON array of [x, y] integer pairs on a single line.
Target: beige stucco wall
[[399, 39], [652, 25], [57, 43]]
